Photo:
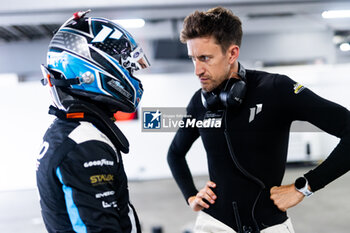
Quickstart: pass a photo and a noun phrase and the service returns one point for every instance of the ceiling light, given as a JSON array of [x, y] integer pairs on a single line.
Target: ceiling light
[[338, 39], [130, 23], [336, 14], [344, 47]]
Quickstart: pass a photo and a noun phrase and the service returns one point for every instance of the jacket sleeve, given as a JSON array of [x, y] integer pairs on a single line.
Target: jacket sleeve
[[94, 186], [302, 104], [181, 144]]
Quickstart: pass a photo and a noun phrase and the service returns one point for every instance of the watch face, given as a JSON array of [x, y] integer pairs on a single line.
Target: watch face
[[300, 183]]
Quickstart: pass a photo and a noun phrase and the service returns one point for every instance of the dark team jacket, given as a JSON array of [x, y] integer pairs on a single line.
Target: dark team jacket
[[259, 132], [81, 181]]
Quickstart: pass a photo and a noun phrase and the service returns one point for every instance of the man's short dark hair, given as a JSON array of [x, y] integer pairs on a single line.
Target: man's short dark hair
[[219, 22]]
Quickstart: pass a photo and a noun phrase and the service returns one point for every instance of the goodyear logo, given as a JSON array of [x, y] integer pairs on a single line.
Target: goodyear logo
[[298, 88], [101, 163], [101, 179]]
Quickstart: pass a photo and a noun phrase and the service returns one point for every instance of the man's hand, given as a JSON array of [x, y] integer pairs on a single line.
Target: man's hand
[[197, 203], [285, 196]]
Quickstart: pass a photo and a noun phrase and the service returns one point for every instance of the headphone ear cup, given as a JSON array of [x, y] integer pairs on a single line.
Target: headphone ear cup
[[210, 100], [234, 93]]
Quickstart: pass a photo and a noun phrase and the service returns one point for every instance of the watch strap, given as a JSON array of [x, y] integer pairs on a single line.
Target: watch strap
[[305, 189]]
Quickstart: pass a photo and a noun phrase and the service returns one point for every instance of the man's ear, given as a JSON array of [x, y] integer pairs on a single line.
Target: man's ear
[[233, 53]]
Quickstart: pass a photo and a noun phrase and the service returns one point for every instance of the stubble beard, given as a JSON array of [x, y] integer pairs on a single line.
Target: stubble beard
[[212, 85]]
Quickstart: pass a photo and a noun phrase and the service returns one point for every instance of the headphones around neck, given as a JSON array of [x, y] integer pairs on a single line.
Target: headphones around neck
[[230, 96]]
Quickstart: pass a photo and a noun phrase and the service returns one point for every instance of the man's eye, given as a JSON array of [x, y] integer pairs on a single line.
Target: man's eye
[[204, 58]]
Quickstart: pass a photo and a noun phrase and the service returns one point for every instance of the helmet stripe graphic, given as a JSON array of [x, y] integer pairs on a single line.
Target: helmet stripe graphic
[[102, 35], [116, 35]]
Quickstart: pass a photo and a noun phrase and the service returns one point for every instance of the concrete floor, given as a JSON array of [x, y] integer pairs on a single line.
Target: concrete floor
[[160, 204]]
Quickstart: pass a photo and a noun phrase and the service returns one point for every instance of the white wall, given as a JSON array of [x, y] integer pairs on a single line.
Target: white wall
[[24, 57], [288, 47], [24, 120], [148, 151], [329, 81]]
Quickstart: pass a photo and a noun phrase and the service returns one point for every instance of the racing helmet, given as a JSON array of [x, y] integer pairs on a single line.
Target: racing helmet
[[94, 59]]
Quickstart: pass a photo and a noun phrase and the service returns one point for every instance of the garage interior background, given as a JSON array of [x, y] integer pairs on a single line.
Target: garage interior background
[[289, 37]]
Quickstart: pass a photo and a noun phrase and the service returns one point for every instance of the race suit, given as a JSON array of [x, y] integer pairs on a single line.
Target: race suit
[[259, 131], [80, 176]]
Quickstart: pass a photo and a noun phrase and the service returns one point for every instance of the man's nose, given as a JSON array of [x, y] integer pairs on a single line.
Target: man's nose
[[198, 68]]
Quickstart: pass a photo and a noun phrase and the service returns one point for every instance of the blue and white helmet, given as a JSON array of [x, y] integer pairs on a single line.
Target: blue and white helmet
[[94, 58]]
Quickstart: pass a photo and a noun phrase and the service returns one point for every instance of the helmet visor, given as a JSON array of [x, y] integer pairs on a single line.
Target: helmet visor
[[138, 59]]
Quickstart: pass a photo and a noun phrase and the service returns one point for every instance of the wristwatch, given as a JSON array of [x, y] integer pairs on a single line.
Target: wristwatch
[[302, 185]]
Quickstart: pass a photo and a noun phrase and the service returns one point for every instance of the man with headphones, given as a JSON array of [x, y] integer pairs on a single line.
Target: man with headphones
[[247, 155]]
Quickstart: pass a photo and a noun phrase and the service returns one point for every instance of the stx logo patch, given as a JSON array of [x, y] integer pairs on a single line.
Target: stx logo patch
[[101, 179]]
